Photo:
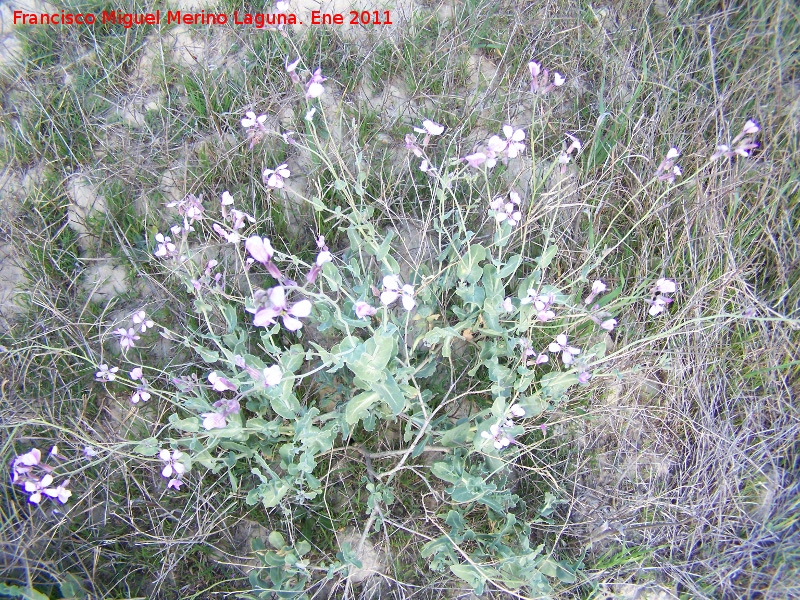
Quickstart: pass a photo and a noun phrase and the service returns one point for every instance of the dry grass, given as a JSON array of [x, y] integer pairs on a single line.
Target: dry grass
[[679, 474]]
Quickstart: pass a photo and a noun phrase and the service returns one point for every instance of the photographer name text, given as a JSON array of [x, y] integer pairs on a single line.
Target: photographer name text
[[257, 20]]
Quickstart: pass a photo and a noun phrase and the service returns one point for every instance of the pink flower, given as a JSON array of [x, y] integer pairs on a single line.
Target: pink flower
[[480, 158], [528, 351], [259, 248], [508, 305], [541, 304], [274, 178], [608, 324], [221, 384], [61, 493], [272, 304], [598, 287], [512, 146], [106, 374], [567, 352], [127, 338], [251, 120], [540, 78], [35, 488], [140, 395], [272, 375], [314, 87], [226, 199], [507, 211], [175, 483], [392, 290], [24, 464], [497, 435], [665, 286], [364, 310], [173, 463], [165, 246], [429, 128], [291, 68], [213, 420], [140, 318], [668, 170]]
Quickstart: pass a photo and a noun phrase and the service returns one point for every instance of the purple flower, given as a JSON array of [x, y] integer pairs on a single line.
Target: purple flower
[[364, 310], [668, 170], [512, 146], [140, 318], [541, 304], [314, 87], [35, 488], [260, 249], [274, 178], [173, 463], [165, 246], [214, 420], [60, 492], [127, 338], [175, 483], [598, 287], [221, 384], [140, 395], [392, 290], [272, 375], [497, 435], [272, 304], [106, 374], [24, 464], [568, 352]]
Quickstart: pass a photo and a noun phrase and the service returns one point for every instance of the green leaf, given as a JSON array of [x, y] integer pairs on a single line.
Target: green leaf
[[390, 392], [369, 361], [229, 312], [191, 424], [276, 540], [147, 447], [547, 256], [445, 471], [511, 266], [210, 356], [285, 403], [358, 407], [17, 592], [555, 383], [469, 268]]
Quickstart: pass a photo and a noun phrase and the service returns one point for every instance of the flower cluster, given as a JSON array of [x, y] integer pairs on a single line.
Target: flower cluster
[[26, 472], [271, 304], [174, 467], [541, 304], [507, 211], [540, 79], [568, 353], [661, 298], [217, 420], [254, 125], [742, 145], [668, 170], [498, 148], [323, 257], [128, 337], [392, 290], [497, 431], [140, 394]]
